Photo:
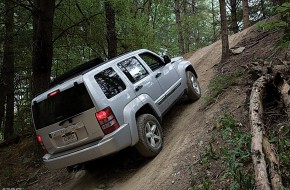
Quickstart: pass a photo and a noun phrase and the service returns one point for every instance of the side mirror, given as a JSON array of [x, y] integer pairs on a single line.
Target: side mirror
[[166, 59]]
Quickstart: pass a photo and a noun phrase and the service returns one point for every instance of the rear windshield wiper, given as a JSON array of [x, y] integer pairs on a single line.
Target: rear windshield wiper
[[69, 119]]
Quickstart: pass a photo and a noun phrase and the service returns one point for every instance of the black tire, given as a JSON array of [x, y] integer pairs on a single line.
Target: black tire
[[150, 135], [193, 88]]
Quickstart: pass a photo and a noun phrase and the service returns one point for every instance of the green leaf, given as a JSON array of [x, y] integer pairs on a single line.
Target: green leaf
[[287, 142]]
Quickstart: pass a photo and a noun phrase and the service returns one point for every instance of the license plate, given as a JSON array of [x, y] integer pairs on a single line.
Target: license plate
[[70, 138]]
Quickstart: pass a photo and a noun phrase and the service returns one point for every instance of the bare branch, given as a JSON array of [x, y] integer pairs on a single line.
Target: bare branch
[[3, 12], [58, 4], [80, 10]]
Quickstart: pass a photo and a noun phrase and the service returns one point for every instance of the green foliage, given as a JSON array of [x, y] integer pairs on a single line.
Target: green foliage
[[283, 23], [79, 34], [282, 141], [8, 172], [234, 155], [217, 85], [25, 159], [206, 185], [259, 10], [284, 146]]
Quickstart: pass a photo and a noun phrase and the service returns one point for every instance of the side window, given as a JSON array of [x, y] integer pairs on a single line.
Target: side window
[[133, 69], [110, 82], [152, 61]]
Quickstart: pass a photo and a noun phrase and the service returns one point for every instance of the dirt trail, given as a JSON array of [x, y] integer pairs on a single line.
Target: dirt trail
[[185, 131]]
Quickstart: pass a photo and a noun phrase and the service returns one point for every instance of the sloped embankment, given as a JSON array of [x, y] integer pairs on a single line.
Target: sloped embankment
[[187, 132]]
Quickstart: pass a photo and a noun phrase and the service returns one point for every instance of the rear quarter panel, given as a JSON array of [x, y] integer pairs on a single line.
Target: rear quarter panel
[[130, 113]]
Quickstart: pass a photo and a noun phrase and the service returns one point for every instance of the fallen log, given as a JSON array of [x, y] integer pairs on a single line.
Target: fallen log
[[284, 89], [275, 177], [257, 130]]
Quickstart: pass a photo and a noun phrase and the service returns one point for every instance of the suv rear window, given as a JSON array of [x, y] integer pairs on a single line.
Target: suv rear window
[[110, 82], [61, 106]]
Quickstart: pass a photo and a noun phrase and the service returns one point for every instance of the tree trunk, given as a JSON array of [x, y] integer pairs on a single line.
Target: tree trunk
[[2, 101], [8, 68], [42, 52], [224, 28], [111, 30], [246, 14], [179, 26], [213, 21], [42, 44], [2, 98], [234, 20], [257, 128], [263, 9], [186, 27]]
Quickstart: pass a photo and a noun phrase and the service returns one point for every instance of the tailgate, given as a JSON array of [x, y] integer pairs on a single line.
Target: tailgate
[[66, 119]]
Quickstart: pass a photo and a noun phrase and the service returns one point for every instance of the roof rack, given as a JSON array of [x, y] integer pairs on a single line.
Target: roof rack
[[77, 70], [82, 69]]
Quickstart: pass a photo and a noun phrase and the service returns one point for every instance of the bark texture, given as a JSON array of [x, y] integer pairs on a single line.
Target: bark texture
[[2, 100], [111, 30], [43, 13], [257, 129], [246, 14], [179, 26], [234, 19], [8, 69], [285, 94], [42, 44], [213, 20], [224, 28], [275, 177]]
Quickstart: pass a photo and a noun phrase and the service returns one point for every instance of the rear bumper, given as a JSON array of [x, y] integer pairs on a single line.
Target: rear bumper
[[118, 140]]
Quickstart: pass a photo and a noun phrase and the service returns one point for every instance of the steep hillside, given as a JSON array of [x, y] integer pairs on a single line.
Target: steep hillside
[[187, 160], [206, 143]]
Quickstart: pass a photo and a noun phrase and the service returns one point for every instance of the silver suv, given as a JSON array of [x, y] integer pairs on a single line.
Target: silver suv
[[99, 108]]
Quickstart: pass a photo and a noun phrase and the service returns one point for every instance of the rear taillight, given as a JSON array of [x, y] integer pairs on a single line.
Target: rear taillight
[[53, 93], [107, 120], [41, 143], [39, 139]]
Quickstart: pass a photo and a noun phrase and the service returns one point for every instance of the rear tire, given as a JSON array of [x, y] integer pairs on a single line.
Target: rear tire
[[150, 135], [193, 88]]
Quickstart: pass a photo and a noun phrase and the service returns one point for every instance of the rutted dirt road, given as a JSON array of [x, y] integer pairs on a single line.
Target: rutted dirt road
[[185, 131]]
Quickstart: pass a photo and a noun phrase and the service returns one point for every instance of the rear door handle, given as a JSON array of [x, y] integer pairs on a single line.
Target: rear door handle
[[157, 75], [138, 88]]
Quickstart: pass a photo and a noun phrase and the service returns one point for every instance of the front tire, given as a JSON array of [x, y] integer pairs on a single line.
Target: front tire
[[193, 88], [150, 135]]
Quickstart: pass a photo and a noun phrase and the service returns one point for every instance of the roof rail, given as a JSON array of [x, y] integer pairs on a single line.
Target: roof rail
[[77, 70], [82, 69]]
